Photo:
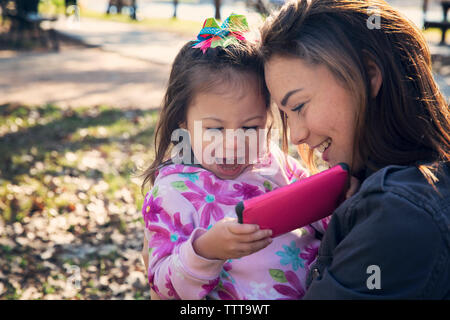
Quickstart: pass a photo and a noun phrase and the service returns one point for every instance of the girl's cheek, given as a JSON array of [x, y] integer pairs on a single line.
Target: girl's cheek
[[196, 148]]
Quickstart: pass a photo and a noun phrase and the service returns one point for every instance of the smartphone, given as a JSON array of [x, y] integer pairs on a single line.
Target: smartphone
[[297, 204]]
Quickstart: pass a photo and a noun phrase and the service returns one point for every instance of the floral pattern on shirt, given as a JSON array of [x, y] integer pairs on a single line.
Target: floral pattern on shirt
[[209, 198], [186, 201]]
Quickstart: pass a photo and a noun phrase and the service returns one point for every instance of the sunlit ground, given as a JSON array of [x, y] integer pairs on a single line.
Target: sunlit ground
[[69, 198]]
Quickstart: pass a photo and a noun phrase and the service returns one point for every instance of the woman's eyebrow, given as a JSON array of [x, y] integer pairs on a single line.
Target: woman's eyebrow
[[287, 96]]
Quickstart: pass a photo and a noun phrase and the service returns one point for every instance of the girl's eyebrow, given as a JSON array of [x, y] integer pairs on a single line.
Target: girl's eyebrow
[[288, 95], [252, 118], [220, 120], [212, 118]]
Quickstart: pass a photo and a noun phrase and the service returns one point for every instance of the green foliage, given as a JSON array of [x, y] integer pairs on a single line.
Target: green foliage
[[51, 6]]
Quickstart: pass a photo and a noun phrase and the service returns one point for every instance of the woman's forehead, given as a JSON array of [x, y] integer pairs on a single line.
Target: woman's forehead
[[287, 74]]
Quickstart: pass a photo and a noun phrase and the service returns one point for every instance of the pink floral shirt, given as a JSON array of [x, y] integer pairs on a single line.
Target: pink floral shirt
[[187, 200]]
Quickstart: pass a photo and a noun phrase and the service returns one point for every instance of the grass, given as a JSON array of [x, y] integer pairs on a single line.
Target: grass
[[75, 165], [50, 157], [433, 35], [175, 25]]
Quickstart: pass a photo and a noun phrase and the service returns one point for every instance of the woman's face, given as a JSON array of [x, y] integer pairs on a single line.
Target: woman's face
[[214, 117], [320, 111]]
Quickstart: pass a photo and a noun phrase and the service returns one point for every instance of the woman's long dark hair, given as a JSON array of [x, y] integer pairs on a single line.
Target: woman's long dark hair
[[192, 72], [408, 122]]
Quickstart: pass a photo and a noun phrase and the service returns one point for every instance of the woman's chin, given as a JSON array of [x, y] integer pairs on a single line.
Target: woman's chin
[[355, 166]]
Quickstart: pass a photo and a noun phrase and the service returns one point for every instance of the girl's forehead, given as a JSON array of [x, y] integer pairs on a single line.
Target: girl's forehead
[[226, 80], [228, 105]]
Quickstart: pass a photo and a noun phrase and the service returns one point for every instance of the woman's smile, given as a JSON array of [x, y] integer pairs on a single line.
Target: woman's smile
[[323, 149], [326, 121]]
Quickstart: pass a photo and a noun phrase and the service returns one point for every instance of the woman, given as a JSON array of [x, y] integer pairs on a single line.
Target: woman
[[352, 79]]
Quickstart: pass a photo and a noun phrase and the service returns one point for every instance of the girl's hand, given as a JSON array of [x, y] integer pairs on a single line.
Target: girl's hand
[[228, 239], [354, 187]]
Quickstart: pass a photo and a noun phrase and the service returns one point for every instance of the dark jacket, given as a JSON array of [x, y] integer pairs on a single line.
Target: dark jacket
[[393, 236]]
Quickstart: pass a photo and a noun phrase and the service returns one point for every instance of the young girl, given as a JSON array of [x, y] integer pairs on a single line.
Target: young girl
[[197, 248]]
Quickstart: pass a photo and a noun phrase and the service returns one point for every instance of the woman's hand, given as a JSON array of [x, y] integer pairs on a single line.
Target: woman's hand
[[228, 239], [354, 187]]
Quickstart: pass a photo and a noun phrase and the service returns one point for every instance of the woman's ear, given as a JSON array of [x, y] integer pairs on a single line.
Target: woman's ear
[[182, 125], [376, 79]]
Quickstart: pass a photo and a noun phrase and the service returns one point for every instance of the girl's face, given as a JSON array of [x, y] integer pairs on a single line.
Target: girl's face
[[321, 112], [213, 115]]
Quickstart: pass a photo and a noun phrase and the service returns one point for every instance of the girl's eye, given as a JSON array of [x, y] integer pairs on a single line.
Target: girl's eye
[[248, 128], [215, 129]]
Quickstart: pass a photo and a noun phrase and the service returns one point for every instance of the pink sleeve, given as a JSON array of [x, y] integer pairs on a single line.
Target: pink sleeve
[[176, 271]]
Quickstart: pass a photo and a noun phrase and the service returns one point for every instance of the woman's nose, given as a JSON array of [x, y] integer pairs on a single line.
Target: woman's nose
[[299, 133]]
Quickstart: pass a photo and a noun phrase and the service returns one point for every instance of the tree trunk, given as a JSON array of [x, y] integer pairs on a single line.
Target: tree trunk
[[175, 4], [217, 5]]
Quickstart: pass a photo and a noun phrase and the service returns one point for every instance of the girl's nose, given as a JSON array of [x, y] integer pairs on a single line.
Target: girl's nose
[[235, 146]]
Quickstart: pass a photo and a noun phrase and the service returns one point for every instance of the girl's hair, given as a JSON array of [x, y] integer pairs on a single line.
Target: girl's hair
[[194, 72], [408, 122]]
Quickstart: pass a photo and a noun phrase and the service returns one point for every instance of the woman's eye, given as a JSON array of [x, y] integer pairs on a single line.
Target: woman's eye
[[215, 129], [298, 108], [248, 128]]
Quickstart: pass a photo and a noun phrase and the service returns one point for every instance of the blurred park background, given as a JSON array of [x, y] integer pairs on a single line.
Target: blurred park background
[[80, 87]]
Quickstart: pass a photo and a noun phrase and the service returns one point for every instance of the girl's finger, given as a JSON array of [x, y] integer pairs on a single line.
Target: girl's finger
[[256, 236], [255, 246], [239, 229]]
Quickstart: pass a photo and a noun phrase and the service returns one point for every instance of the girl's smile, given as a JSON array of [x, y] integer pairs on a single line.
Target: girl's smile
[[234, 106], [229, 170]]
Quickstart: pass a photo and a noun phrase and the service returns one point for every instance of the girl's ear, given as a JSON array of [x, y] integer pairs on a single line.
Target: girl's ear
[[375, 77], [182, 125]]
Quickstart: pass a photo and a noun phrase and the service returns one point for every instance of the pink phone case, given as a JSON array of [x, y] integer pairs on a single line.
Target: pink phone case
[[298, 204]]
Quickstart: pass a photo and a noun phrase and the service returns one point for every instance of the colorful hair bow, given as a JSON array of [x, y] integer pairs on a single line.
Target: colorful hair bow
[[212, 35]]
